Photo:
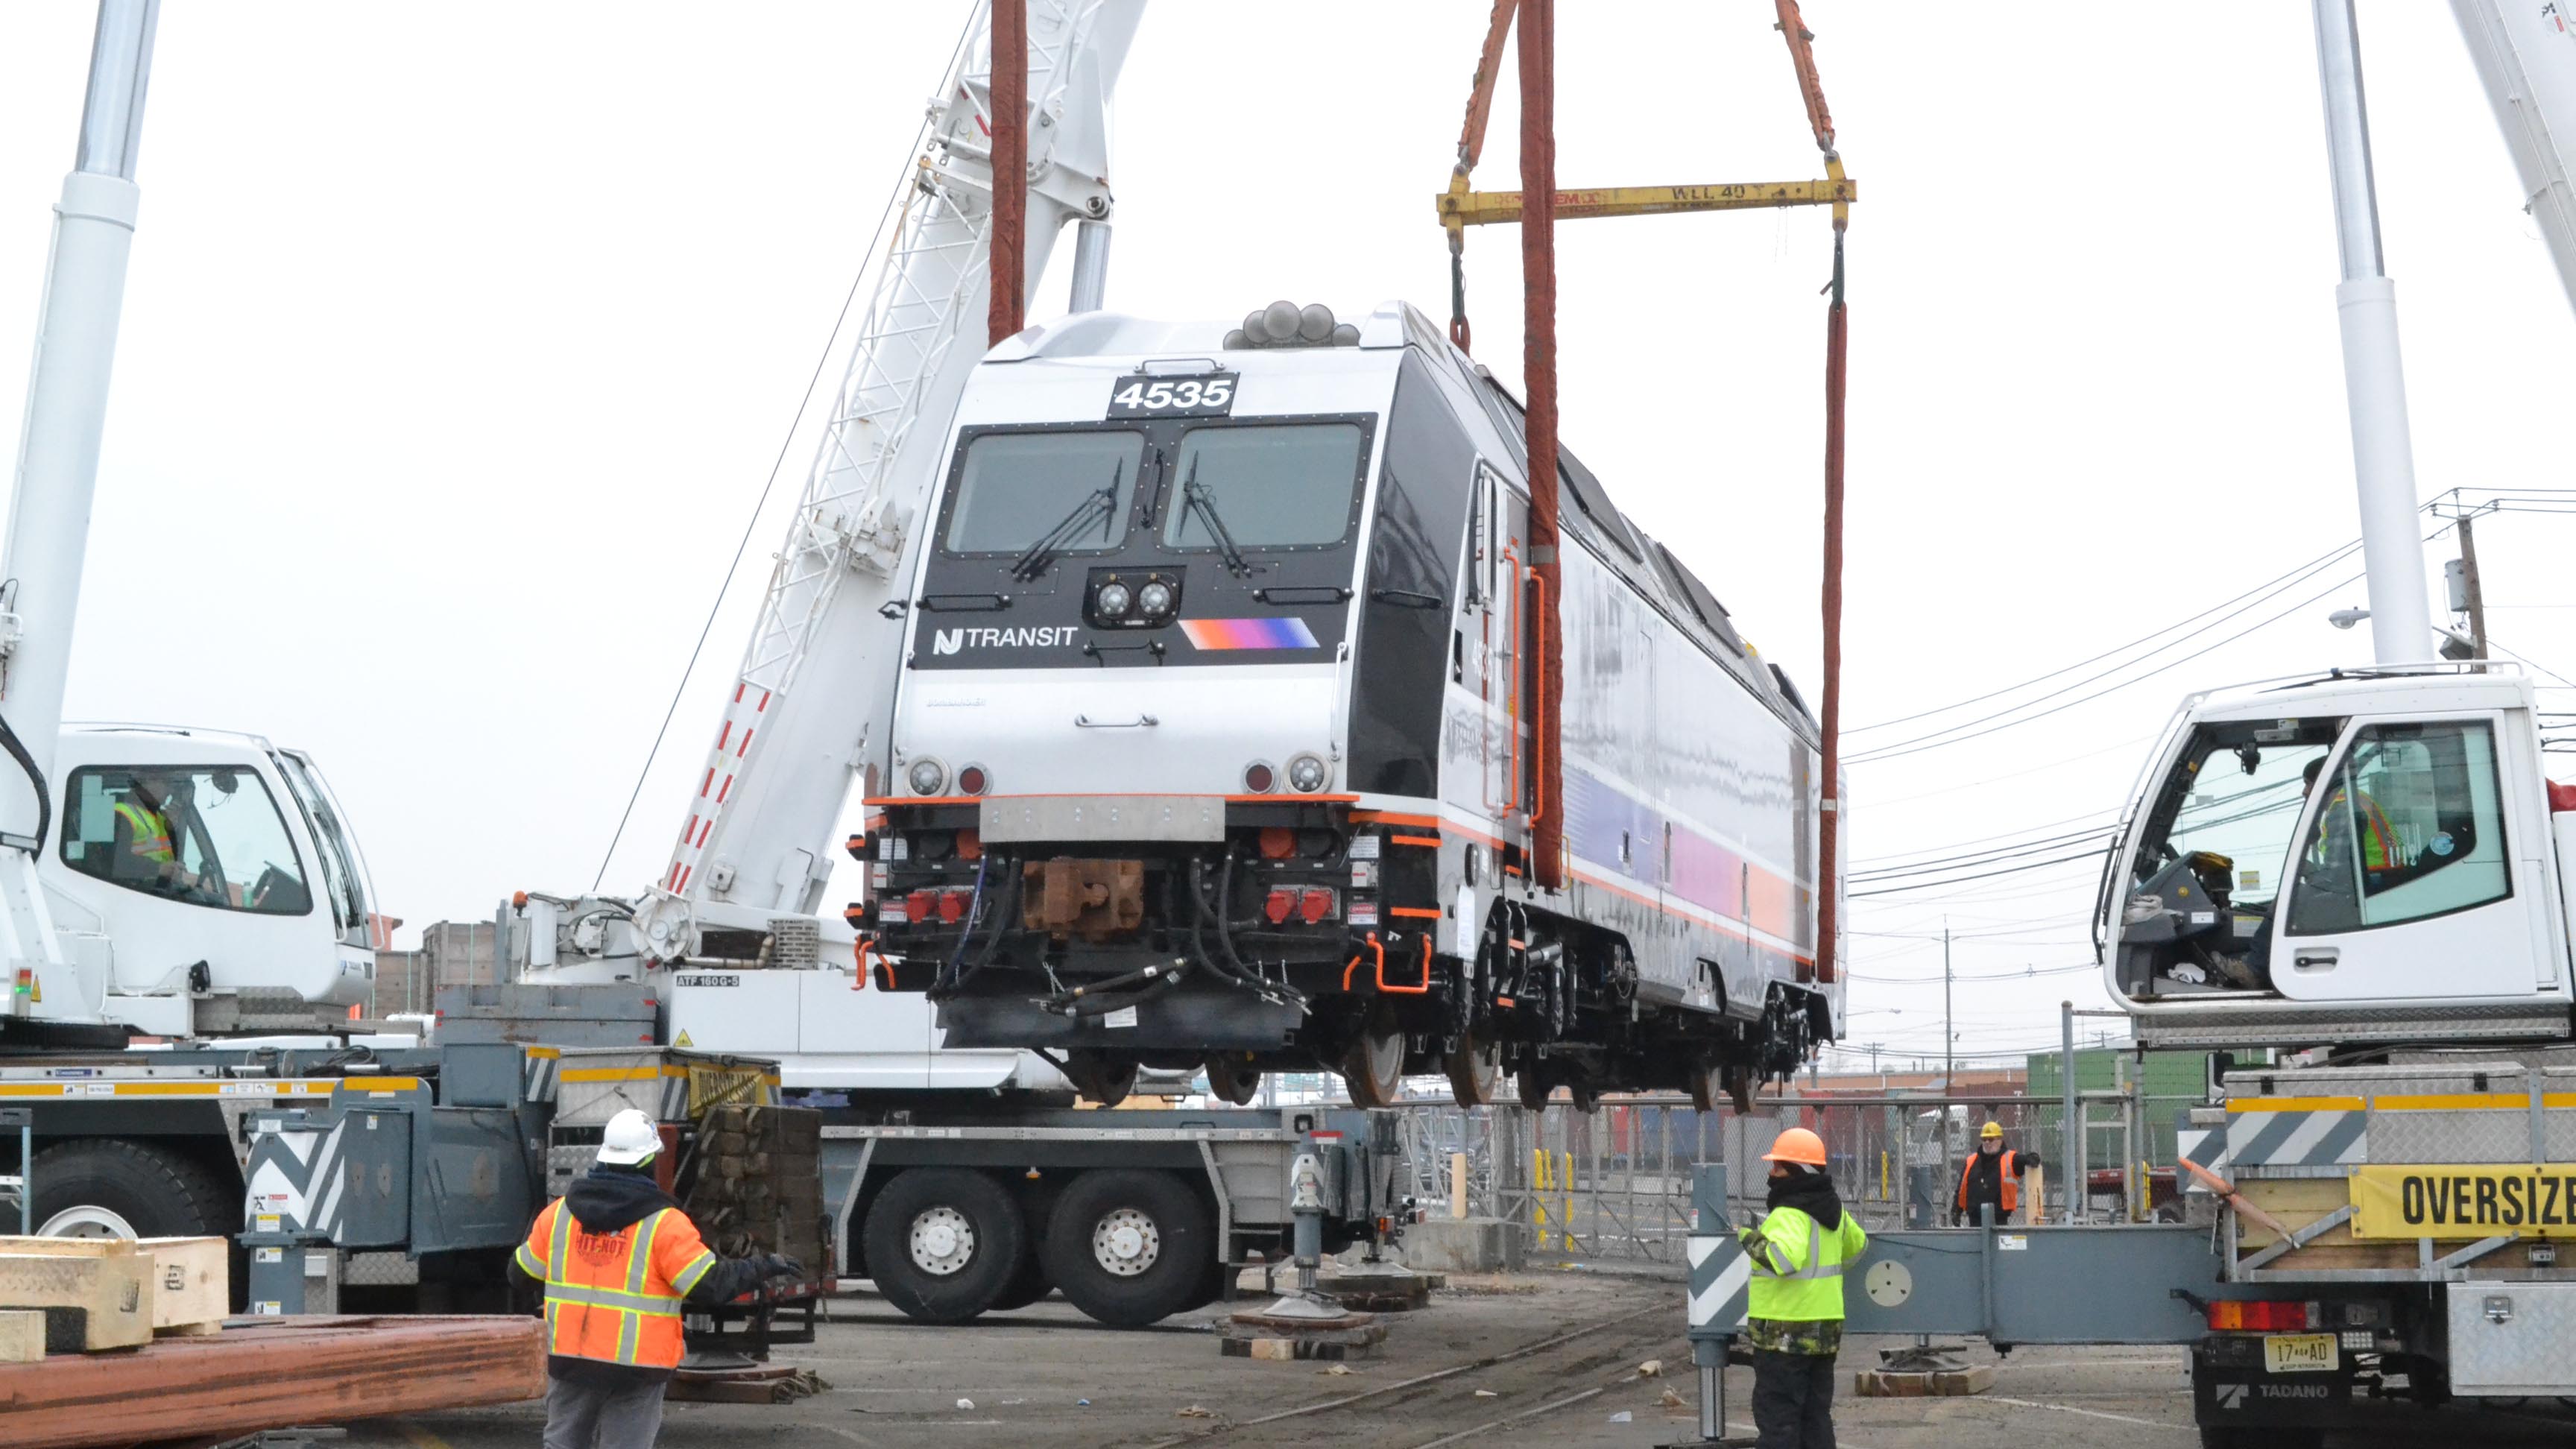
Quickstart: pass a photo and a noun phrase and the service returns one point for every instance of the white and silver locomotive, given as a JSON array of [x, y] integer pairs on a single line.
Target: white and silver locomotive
[[1214, 742]]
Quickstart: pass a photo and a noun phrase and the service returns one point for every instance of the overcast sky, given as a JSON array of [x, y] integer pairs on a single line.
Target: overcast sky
[[459, 342]]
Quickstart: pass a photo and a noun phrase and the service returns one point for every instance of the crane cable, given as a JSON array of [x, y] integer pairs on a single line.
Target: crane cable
[[902, 189]]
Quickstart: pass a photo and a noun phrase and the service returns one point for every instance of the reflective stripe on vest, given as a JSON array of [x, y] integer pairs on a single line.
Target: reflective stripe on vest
[[1808, 1294], [631, 1302], [2008, 1165], [1816, 1267], [151, 833]]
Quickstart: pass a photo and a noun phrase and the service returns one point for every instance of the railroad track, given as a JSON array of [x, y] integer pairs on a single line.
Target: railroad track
[[1424, 1410]]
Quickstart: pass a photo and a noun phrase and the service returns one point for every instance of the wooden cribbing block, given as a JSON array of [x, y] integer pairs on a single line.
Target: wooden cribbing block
[[1948, 1383], [22, 1335], [191, 1277], [97, 1299]]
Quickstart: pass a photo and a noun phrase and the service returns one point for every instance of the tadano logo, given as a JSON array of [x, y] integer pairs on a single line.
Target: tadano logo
[[949, 641]]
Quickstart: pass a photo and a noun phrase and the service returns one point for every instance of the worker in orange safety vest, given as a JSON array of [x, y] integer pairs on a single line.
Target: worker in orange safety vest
[[1991, 1177], [618, 1257]]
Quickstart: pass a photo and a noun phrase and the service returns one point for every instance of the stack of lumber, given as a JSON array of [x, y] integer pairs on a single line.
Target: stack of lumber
[[79, 1295], [270, 1373], [758, 1183]]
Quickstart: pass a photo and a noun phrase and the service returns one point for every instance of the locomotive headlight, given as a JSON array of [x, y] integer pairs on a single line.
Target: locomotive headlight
[[1307, 773], [1155, 599], [1113, 600], [926, 776]]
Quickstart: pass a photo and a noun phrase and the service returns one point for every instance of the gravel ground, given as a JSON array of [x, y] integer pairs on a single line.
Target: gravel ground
[[1547, 1357]]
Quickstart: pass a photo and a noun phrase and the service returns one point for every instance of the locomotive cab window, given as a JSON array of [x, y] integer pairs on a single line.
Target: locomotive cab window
[[201, 835], [2409, 826], [1017, 490], [1263, 486]]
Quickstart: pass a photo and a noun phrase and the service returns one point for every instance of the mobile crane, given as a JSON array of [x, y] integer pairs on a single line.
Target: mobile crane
[[2367, 870]]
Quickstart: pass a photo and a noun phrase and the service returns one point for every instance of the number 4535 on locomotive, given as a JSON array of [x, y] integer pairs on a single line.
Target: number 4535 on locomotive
[[1216, 741]]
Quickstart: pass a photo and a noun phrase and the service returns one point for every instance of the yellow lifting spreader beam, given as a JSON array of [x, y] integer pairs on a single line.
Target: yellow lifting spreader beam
[[1460, 207]]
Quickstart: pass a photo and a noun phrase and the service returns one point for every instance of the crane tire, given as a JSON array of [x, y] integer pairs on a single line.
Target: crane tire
[[1130, 1247], [943, 1243]]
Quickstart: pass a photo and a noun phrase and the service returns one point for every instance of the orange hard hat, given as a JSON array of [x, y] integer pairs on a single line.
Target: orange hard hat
[[1797, 1145]]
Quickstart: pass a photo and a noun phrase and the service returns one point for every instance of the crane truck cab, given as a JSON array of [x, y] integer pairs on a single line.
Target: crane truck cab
[[2353, 857], [202, 882]]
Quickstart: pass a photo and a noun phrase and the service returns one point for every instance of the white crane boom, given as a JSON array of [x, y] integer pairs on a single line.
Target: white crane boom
[[807, 707], [57, 472], [2525, 52]]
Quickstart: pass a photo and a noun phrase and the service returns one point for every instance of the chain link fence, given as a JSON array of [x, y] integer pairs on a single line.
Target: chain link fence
[[1615, 1184]]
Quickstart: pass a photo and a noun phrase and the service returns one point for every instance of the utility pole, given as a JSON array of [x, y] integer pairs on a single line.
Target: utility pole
[[1949, 1033], [2469, 585]]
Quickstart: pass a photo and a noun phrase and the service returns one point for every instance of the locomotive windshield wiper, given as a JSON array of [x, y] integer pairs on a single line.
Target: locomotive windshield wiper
[[1202, 502], [1041, 553]]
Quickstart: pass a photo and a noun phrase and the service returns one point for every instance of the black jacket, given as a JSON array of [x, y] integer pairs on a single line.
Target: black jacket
[[610, 1198], [1982, 1181]]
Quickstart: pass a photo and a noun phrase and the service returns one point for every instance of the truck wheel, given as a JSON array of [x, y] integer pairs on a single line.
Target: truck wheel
[[943, 1243], [1129, 1247], [110, 1188], [1029, 1282]]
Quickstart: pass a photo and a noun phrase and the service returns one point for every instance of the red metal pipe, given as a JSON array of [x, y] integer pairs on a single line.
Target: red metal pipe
[[1829, 873], [1537, 59], [1005, 307]]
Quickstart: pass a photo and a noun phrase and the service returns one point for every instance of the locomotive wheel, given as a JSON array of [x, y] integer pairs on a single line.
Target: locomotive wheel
[[1233, 1081], [1373, 1063], [1707, 1083], [1532, 1084], [1585, 1091], [1740, 1083], [1100, 1077], [1475, 1071]]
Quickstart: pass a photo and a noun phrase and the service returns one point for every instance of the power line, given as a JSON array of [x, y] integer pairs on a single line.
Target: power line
[[2281, 581], [1934, 740], [1981, 875], [752, 523]]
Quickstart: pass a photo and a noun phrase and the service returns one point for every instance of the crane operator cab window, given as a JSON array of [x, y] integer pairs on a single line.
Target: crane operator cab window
[[2409, 827], [202, 835], [2208, 865]]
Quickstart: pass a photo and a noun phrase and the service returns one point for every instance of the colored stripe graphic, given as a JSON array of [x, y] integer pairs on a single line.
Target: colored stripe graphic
[[1249, 633]]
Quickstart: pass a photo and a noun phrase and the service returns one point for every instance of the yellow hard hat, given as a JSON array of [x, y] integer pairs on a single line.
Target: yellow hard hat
[[1991, 1129], [1797, 1145]]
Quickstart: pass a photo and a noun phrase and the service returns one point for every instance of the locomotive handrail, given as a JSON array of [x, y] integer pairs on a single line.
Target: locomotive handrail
[[1419, 988]]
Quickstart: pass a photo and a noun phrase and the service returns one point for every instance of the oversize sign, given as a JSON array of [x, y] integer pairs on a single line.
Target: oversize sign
[[2463, 1202]]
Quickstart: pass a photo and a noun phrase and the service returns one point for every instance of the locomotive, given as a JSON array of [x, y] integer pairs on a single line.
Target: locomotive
[[1214, 742]]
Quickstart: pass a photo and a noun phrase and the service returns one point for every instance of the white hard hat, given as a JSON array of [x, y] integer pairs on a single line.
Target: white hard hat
[[629, 1139]]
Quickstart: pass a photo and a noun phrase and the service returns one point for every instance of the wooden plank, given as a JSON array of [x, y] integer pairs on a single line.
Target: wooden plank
[[192, 1280], [271, 1373], [22, 1336], [101, 1300]]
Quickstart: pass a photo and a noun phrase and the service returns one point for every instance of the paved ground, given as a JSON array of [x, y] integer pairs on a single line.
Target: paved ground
[[1546, 1358]]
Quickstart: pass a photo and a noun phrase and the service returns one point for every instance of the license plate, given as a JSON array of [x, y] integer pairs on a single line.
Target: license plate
[[2299, 1353]]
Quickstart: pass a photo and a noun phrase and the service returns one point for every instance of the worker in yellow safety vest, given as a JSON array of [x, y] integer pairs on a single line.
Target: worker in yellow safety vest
[[618, 1258], [1794, 1304], [2378, 839], [145, 852]]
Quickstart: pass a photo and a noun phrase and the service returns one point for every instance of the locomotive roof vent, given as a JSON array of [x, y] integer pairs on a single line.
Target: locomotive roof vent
[[1285, 324]]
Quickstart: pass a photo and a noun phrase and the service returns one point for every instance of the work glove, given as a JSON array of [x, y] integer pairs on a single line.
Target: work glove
[[775, 1265]]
